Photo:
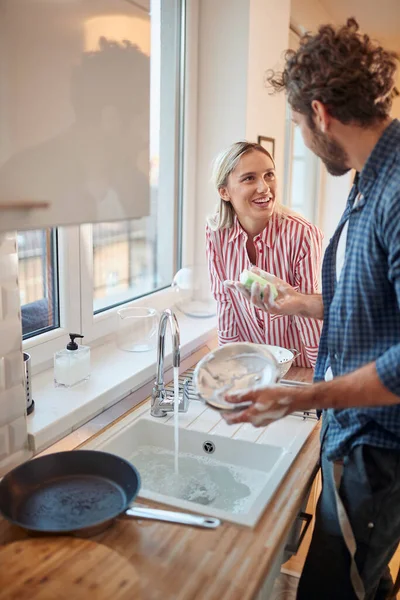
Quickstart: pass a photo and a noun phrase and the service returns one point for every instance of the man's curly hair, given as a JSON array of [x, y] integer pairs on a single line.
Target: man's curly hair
[[349, 73]]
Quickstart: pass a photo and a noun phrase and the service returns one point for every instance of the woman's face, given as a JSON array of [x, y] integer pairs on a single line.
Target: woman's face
[[251, 187]]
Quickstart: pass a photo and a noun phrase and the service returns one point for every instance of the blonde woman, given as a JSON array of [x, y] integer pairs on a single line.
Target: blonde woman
[[250, 228]]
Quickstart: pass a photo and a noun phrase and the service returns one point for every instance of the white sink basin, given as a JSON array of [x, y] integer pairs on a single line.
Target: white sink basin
[[234, 482]]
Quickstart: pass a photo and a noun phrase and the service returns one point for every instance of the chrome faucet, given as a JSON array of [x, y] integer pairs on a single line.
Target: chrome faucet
[[162, 400]]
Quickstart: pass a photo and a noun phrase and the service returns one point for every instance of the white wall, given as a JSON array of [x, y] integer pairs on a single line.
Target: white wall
[[396, 103], [268, 39], [223, 30], [307, 15], [238, 40], [396, 109]]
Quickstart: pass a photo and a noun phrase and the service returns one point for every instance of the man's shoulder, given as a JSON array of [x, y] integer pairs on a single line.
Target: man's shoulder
[[390, 183], [389, 174], [393, 179]]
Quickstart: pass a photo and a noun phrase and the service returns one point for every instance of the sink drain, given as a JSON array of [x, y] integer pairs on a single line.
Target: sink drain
[[208, 447]]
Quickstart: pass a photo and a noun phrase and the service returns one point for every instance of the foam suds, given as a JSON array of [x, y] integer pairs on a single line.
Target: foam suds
[[201, 480]]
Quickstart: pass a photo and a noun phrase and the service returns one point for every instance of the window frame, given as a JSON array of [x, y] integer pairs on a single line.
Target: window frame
[[42, 347], [312, 166], [54, 283]]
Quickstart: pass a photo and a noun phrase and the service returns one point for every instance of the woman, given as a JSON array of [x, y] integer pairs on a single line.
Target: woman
[[251, 228]]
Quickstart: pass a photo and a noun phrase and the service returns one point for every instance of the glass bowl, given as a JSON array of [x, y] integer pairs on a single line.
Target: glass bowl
[[233, 368], [137, 328], [192, 292]]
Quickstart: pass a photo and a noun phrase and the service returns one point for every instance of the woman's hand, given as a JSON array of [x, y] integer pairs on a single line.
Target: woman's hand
[[269, 404], [288, 301]]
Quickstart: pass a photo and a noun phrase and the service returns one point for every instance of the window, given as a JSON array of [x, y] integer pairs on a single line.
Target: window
[[302, 174], [301, 178], [74, 278], [124, 262], [38, 281]]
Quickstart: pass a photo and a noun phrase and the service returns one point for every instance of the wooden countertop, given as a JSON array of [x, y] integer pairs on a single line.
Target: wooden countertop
[[231, 563]]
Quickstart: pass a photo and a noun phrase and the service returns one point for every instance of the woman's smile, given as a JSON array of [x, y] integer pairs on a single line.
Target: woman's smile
[[262, 201]]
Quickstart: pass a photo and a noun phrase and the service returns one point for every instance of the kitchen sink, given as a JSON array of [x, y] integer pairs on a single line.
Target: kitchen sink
[[230, 472]]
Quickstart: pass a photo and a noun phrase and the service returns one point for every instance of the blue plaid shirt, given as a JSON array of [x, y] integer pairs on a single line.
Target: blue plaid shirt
[[362, 309]]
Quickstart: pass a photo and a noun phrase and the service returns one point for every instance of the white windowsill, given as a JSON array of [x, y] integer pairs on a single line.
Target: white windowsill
[[114, 375]]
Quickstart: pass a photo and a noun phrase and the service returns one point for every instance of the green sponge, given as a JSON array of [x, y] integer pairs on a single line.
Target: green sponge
[[247, 278]]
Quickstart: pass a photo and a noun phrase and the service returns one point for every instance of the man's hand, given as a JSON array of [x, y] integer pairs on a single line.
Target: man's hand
[[360, 389], [269, 404], [288, 302]]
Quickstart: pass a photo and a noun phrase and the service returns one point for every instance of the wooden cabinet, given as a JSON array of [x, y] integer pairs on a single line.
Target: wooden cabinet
[[288, 561], [293, 564]]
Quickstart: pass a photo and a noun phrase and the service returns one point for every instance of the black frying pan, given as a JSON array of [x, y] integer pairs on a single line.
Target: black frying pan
[[78, 492]]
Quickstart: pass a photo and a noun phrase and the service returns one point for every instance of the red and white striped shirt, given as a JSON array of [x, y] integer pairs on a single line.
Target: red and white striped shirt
[[290, 248]]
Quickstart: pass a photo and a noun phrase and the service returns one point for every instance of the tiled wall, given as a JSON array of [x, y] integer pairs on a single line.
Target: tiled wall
[[13, 433]]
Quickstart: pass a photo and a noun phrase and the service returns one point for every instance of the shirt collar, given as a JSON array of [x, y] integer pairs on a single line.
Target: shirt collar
[[268, 235], [236, 230]]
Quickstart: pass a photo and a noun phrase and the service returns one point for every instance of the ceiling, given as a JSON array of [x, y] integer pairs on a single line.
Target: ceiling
[[378, 18]]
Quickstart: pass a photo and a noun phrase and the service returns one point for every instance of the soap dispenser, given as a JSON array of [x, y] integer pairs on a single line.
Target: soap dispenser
[[72, 365]]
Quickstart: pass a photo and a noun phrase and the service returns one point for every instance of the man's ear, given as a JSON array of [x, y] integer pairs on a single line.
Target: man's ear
[[321, 116], [223, 192]]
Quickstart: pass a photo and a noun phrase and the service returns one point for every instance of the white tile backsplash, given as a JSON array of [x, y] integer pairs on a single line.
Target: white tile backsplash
[[14, 369], [13, 431], [2, 373], [10, 336], [8, 244], [10, 301], [8, 269], [17, 434], [12, 404], [4, 451]]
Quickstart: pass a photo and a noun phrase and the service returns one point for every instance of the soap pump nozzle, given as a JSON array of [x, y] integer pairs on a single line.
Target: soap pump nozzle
[[72, 344]]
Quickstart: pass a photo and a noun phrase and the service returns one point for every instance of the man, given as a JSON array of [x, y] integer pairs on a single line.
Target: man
[[339, 85]]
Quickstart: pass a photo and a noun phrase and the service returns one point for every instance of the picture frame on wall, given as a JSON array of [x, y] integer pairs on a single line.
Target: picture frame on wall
[[268, 143]]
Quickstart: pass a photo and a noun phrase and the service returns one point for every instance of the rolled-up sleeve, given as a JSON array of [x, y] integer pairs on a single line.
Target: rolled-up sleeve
[[227, 327], [307, 275]]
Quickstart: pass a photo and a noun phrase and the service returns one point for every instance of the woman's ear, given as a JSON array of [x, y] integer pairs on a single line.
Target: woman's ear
[[224, 194]]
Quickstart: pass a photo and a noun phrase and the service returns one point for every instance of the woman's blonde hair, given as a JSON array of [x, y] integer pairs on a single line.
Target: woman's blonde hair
[[224, 164]]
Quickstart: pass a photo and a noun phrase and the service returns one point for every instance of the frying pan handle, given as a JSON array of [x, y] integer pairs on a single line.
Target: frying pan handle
[[155, 514]]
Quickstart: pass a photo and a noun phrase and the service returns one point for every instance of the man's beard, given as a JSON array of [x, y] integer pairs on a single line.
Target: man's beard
[[332, 154]]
